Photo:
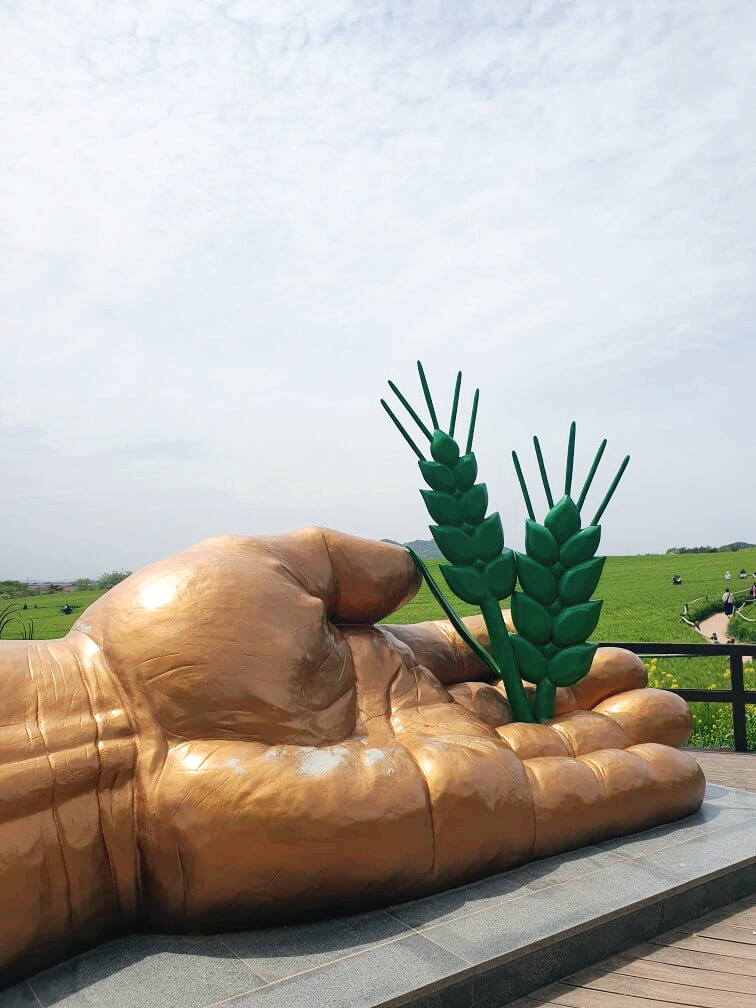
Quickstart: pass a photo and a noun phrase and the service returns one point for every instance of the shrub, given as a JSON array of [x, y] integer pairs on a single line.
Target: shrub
[[744, 629], [701, 609]]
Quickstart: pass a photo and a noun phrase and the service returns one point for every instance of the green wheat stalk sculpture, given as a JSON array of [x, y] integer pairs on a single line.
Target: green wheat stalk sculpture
[[558, 573], [553, 612]]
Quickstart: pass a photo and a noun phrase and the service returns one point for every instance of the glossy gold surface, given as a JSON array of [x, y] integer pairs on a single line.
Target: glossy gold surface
[[224, 740]]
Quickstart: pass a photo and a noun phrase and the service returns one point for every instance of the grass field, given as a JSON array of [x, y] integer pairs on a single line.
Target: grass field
[[640, 604], [43, 611], [640, 601]]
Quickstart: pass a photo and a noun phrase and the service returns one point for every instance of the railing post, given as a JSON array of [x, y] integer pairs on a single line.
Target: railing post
[[740, 736], [737, 697]]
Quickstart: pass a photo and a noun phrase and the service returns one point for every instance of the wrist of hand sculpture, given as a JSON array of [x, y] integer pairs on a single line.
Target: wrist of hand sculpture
[[226, 740], [68, 842]]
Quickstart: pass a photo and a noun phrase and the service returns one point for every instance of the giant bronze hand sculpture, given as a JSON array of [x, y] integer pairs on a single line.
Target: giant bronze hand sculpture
[[225, 740]]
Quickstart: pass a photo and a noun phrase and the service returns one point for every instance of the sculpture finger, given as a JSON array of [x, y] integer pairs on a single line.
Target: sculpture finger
[[610, 793], [237, 834], [571, 735], [649, 715], [477, 793], [632, 717], [438, 646], [360, 581], [612, 671]]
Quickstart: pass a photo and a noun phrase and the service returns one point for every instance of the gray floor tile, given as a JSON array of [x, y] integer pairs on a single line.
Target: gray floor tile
[[18, 996], [178, 972], [730, 797], [539, 915], [277, 953], [702, 855], [364, 980], [535, 875], [565, 867], [707, 821], [456, 902], [712, 817]]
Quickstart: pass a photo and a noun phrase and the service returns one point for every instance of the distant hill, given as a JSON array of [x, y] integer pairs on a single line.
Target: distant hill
[[426, 549], [729, 548]]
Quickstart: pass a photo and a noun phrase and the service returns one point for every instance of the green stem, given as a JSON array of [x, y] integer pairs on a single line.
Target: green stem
[[428, 397], [501, 646], [570, 461], [402, 431], [455, 404], [410, 410], [523, 487], [591, 474], [455, 621], [473, 415], [542, 468], [610, 491], [543, 706]]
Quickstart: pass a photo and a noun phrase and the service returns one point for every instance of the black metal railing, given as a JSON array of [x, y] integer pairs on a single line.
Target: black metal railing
[[737, 696]]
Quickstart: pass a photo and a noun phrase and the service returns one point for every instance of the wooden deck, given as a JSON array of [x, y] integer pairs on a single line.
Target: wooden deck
[[709, 963], [730, 769]]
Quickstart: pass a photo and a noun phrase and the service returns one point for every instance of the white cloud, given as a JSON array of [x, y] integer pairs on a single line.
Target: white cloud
[[225, 224]]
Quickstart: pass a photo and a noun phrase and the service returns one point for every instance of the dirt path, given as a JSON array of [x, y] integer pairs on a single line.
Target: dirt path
[[715, 624], [718, 624]]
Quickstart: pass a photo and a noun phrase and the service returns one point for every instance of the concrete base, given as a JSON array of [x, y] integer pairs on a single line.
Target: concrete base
[[478, 946]]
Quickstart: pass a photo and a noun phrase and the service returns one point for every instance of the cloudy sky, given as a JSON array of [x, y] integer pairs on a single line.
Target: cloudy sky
[[224, 226]]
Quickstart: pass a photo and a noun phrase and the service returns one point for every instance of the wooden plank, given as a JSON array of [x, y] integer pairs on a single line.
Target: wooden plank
[[708, 945], [746, 906], [675, 993], [527, 1002], [740, 914], [685, 957], [729, 769], [727, 933], [583, 997], [699, 975], [711, 963], [693, 976]]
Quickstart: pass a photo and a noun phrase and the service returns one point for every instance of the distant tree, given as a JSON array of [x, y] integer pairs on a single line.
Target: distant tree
[[712, 549], [112, 578], [84, 584], [694, 549], [53, 588]]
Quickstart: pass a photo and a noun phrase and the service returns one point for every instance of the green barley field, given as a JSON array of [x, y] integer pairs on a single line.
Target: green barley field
[[640, 604], [640, 601], [43, 616]]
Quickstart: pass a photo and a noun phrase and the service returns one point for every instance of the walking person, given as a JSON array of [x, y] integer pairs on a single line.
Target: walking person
[[729, 603]]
